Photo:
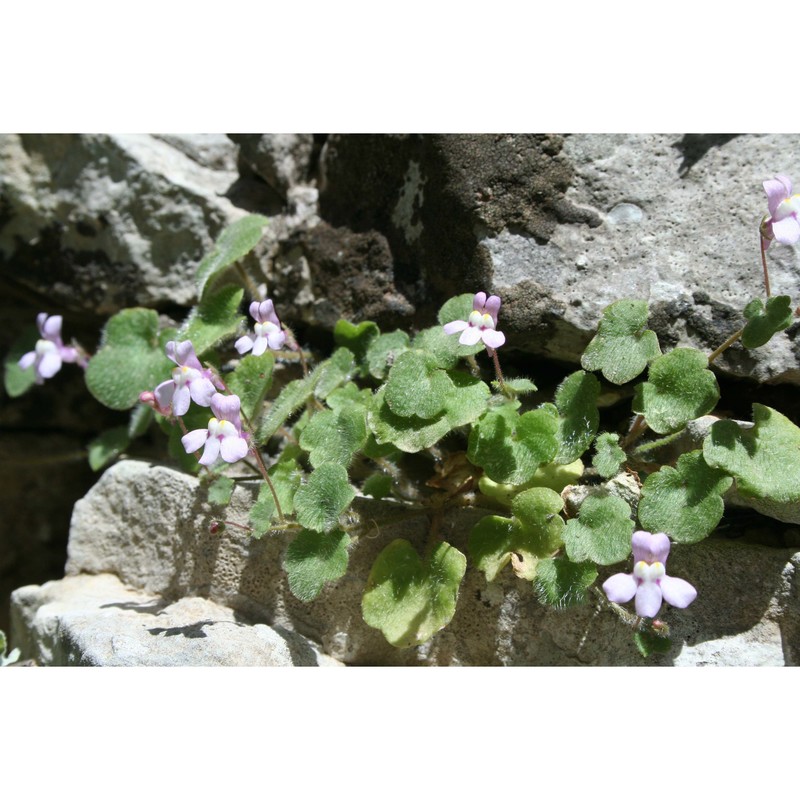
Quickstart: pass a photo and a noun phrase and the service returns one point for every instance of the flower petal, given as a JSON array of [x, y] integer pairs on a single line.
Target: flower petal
[[254, 309], [493, 307], [493, 339], [202, 390], [244, 345], [677, 592], [180, 401], [456, 326], [479, 301], [40, 321], [226, 408], [194, 440], [470, 336], [648, 599], [260, 346], [49, 365], [276, 339], [233, 448], [211, 453], [69, 355], [640, 542], [51, 329], [786, 231], [659, 547], [27, 360], [777, 189], [185, 355], [164, 392], [620, 588], [169, 349]]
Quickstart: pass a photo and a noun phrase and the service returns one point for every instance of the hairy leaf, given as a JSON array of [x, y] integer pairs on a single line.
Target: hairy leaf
[[215, 318], [609, 456], [107, 446], [602, 531], [409, 600], [335, 436], [623, 346], [251, 380], [285, 477], [314, 559], [384, 351], [319, 502], [764, 322], [562, 583], [576, 401]]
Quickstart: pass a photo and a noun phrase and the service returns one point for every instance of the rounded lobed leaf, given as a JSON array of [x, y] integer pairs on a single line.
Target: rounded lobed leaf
[[764, 322], [215, 318], [107, 446], [130, 361], [684, 502], [285, 477], [679, 388], [763, 460], [563, 584], [357, 339], [314, 559], [251, 380], [609, 456], [623, 346], [416, 388], [576, 401], [602, 531], [319, 502], [384, 351], [409, 600], [335, 436]]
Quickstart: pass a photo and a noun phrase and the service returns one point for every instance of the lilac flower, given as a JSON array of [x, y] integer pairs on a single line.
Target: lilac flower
[[784, 207], [481, 325], [267, 329], [190, 381], [224, 436], [649, 581], [50, 351]]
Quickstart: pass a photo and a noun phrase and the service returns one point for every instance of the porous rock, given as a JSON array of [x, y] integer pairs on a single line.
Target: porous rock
[[283, 160], [94, 620], [150, 526], [100, 222]]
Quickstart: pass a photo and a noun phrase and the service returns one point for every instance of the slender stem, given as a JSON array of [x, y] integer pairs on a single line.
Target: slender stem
[[764, 263], [265, 475], [296, 347], [726, 344], [637, 429], [248, 283], [497, 371]]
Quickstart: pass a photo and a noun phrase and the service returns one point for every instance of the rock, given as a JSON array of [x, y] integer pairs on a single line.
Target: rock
[[283, 160], [93, 620], [149, 525], [561, 227], [97, 222]]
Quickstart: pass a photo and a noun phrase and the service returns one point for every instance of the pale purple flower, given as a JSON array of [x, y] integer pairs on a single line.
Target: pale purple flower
[[481, 325], [649, 582], [268, 333], [224, 436], [783, 224], [189, 381], [50, 352]]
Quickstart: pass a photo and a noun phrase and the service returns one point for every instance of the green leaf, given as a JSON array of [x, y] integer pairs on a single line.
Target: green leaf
[[378, 485], [335, 436], [141, 417], [107, 446], [549, 476], [416, 388], [291, 398], [623, 346], [443, 349], [649, 644], [534, 533], [459, 307], [17, 381], [319, 502], [609, 456], [348, 395], [685, 502], [408, 600], [679, 388], [357, 339], [220, 490], [314, 559], [764, 323], [285, 477], [561, 583], [384, 351], [764, 460], [517, 386], [576, 401], [235, 242], [464, 404], [510, 447], [330, 374], [216, 318], [602, 531], [131, 359], [251, 380]]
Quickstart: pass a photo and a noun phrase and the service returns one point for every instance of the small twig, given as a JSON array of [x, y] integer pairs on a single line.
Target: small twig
[[498, 372], [726, 344], [764, 263], [637, 429]]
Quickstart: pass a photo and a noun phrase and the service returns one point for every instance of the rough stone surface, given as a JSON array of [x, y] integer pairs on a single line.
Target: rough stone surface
[[94, 620], [283, 160], [97, 222], [162, 546], [561, 227]]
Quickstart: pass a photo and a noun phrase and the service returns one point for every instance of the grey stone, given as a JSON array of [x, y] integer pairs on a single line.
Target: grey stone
[[149, 525], [283, 160], [94, 620], [100, 222]]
